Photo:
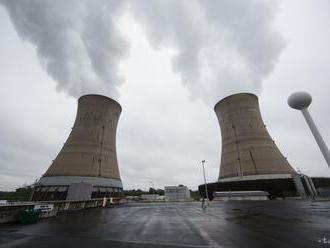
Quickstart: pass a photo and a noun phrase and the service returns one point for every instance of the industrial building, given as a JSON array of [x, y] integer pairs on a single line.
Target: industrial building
[[250, 159], [86, 167], [179, 193]]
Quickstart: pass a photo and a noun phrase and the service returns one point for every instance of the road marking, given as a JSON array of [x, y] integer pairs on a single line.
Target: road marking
[[15, 243], [211, 242], [208, 239], [159, 243]]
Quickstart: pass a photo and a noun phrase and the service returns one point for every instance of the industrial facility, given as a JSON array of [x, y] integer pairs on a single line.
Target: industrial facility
[[250, 159], [86, 167]]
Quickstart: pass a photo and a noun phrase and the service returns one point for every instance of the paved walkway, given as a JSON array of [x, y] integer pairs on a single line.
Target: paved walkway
[[231, 224]]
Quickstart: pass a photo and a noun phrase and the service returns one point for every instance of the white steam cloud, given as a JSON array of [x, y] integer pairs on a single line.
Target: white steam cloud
[[77, 42], [222, 46]]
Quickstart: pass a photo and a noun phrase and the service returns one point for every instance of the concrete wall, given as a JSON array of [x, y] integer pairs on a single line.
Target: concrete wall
[[11, 213], [79, 192], [241, 198]]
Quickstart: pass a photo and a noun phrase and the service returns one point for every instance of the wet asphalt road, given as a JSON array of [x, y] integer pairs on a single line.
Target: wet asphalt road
[[230, 224]]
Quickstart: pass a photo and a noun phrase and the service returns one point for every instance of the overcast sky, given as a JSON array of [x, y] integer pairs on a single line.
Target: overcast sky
[[167, 63]]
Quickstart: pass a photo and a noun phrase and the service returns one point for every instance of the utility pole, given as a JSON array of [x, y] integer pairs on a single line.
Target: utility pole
[[207, 194]]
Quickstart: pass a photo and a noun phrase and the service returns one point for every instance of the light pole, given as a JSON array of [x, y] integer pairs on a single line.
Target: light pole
[[151, 182], [207, 194]]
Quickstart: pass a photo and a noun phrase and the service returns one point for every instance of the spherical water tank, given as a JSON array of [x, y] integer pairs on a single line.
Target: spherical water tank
[[300, 100]]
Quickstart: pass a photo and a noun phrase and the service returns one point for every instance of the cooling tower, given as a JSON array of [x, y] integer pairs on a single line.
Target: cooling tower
[[86, 167], [248, 151], [250, 160]]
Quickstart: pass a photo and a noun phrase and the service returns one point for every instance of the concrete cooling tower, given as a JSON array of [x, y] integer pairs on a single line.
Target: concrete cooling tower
[[86, 167], [248, 151], [250, 159]]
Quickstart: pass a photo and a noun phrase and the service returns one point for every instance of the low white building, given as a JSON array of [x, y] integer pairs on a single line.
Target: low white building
[[240, 196], [152, 197], [177, 193]]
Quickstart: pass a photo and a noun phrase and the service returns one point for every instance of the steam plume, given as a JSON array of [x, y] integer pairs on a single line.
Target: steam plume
[[77, 42], [222, 46]]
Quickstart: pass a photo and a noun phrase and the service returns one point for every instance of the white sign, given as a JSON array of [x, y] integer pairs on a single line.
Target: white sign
[[44, 207]]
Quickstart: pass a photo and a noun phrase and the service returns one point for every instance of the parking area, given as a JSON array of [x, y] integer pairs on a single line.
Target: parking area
[[222, 224]]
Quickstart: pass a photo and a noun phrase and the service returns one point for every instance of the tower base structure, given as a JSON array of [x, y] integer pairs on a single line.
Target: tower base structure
[[280, 186], [76, 188], [250, 159]]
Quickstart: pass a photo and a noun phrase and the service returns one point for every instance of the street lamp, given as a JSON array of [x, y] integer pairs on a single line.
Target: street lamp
[[207, 194], [151, 182]]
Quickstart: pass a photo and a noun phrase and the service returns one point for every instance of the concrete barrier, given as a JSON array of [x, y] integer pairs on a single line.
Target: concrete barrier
[[10, 212], [240, 196]]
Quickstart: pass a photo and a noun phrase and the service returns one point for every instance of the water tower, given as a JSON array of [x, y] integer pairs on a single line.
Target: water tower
[[301, 101]]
